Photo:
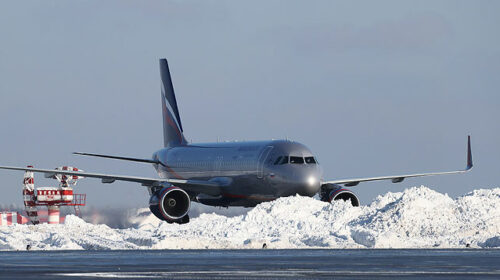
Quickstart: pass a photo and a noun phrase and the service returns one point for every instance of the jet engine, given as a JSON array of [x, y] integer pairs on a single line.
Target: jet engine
[[170, 204], [330, 192]]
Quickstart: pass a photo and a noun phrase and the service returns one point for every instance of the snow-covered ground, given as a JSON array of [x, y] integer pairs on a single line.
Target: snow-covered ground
[[415, 218]]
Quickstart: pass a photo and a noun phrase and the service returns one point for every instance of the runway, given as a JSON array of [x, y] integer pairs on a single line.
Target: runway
[[252, 264]]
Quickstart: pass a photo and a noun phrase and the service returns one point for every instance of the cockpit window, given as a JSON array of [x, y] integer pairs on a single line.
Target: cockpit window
[[278, 160], [297, 160], [310, 160], [284, 160]]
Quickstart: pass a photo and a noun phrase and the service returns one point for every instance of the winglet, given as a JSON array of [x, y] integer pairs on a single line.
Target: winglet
[[469, 155]]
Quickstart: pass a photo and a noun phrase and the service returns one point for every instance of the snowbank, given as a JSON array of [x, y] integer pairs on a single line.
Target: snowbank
[[416, 218]]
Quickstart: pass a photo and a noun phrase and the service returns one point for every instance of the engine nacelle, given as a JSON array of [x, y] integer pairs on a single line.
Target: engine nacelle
[[170, 204], [330, 193]]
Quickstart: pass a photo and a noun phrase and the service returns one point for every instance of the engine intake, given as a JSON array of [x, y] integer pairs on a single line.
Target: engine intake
[[170, 204], [330, 193]]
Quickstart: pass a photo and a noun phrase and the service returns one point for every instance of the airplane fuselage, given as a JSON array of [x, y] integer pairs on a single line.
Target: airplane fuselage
[[251, 172]]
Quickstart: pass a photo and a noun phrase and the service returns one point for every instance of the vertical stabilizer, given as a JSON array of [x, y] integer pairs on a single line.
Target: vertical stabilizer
[[172, 127]]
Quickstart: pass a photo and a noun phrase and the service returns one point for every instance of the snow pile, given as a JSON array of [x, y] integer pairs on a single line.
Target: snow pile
[[416, 218]]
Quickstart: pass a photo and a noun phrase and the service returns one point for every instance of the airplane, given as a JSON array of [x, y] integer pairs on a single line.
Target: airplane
[[228, 173]]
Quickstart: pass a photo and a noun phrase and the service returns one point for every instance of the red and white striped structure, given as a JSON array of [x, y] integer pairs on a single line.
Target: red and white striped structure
[[12, 218], [54, 214], [29, 197], [51, 197], [67, 180], [8, 218]]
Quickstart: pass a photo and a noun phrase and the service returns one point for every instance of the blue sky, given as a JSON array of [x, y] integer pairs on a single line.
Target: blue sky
[[372, 87]]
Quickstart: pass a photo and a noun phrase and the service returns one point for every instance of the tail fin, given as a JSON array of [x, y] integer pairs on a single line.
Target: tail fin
[[172, 127]]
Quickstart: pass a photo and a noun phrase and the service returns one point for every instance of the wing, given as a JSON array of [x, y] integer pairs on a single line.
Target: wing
[[400, 178], [213, 188]]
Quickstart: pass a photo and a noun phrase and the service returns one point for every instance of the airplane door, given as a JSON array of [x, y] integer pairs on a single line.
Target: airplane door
[[262, 160]]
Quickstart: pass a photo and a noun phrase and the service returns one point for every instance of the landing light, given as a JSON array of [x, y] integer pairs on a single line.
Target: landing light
[[311, 181]]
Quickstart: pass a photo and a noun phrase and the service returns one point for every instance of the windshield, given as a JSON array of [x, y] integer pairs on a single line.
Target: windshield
[[278, 160], [297, 160], [310, 160], [284, 160], [294, 160]]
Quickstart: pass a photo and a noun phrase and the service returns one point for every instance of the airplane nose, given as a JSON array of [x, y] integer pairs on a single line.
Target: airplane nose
[[300, 179], [310, 183]]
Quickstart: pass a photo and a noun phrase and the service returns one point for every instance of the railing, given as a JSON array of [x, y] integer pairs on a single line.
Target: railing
[[78, 199]]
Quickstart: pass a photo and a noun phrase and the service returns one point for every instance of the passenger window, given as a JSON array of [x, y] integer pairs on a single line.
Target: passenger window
[[285, 160], [277, 160], [297, 160], [310, 160]]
